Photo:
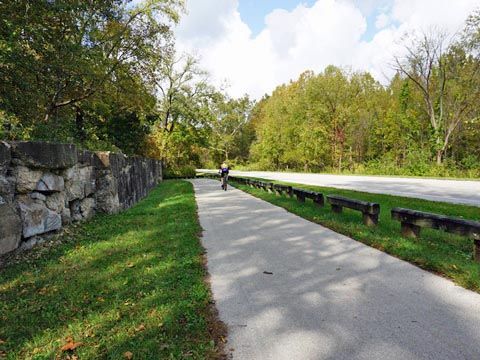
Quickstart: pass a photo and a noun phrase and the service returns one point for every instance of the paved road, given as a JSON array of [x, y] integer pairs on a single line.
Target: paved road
[[455, 191], [290, 289]]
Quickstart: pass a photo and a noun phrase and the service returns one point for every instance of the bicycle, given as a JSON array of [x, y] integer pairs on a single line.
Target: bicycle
[[224, 182]]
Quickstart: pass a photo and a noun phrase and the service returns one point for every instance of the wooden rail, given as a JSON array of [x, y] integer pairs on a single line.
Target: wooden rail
[[279, 189], [412, 221], [317, 197], [370, 211]]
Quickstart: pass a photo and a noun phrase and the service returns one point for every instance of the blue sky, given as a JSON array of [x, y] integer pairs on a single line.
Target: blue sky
[[235, 44], [253, 12]]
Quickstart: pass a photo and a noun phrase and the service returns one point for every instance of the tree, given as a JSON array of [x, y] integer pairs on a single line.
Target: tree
[[444, 75], [471, 34], [183, 97], [228, 125], [57, 54]]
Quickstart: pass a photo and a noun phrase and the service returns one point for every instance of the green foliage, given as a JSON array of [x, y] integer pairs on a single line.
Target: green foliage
[[426, 122], [133, 282], [318, 122], [346, 122], [64, 62], [179, 171], [230, 136], [11, 128]]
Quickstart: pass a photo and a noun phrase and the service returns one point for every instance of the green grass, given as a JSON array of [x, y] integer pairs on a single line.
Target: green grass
[[128, 283], [446, 254]]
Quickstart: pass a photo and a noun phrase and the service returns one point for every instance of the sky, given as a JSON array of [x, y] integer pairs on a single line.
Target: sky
[[253, 46]]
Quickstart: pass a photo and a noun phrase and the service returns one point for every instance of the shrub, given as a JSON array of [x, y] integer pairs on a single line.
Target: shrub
[[182, 171]]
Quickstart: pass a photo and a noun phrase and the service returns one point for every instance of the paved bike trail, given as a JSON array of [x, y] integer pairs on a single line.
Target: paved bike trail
[[291, 289]]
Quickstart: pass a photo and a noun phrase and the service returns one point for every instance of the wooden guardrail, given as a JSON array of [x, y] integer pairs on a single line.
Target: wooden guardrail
[[370, 211], [317, 197], [412, 221], [279, 189]]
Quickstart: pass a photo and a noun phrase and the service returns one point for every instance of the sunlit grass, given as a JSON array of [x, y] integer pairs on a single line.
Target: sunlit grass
[[132, 283], [446, 254]]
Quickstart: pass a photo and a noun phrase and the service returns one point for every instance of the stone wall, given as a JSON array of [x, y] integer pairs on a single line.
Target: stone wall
[[44, 186]]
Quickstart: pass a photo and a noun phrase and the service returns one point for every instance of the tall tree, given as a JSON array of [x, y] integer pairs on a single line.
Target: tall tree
[[56, 54], [183, 96], [444, 75], [229, 127]]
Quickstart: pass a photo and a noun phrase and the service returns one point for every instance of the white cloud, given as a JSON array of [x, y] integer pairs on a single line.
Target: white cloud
[[426, 14], [207, 21], [306, 38], [382, 21]]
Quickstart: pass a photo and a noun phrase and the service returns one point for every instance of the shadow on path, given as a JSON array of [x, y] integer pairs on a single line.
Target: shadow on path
[[291, 289]]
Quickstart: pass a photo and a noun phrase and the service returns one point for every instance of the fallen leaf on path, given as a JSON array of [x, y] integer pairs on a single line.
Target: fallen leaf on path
[[268, 273], [224, 340]]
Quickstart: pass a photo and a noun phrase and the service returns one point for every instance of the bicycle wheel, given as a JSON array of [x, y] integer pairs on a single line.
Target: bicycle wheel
[[225, 182]]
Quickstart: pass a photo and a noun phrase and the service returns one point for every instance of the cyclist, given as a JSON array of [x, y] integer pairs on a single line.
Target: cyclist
[[224, 170]]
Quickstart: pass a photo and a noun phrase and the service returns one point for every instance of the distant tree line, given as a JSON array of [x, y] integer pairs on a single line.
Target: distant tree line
[[426, 121]]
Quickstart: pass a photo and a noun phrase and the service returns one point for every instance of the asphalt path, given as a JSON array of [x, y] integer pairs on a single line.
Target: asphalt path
[[291, 289], [454, 191]]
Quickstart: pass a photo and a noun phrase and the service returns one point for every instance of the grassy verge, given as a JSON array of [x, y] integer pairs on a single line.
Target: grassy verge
[[446, 254], [125, 286]]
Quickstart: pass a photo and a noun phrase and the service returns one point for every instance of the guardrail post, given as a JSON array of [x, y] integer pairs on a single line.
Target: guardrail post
[[318, 200], [370, 219], [289, 192], [300, 195], [476, 250], [337, 209]]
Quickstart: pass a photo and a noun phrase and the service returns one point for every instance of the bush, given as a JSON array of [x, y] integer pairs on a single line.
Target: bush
[[471, 162], [386, 165], [183, 171]]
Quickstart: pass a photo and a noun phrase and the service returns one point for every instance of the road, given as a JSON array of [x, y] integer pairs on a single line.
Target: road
[[452, 191], [290, 289]]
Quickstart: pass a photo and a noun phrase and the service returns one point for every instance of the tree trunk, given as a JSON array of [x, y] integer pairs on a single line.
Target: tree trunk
[[439, 157], [79, 124]]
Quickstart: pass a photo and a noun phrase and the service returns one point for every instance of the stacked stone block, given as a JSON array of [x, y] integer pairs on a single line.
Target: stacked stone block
[[44, 186]]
